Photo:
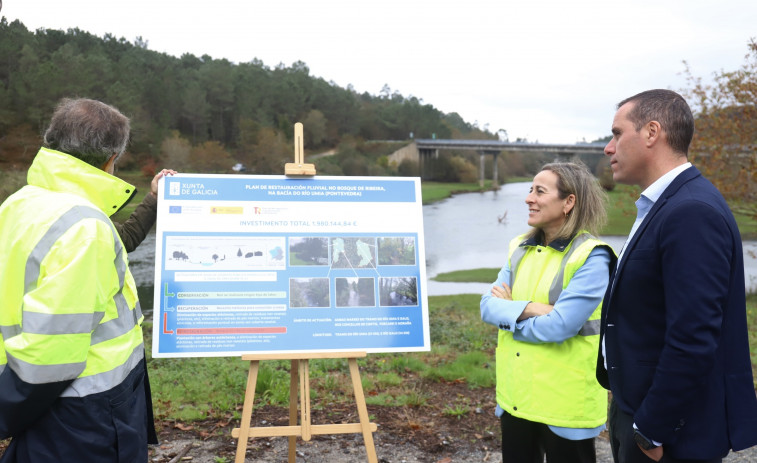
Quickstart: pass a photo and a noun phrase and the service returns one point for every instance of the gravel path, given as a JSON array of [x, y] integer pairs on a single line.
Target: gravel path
[[351, 450]]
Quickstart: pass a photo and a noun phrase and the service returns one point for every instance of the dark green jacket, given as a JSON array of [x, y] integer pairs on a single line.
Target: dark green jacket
[[138, 225]]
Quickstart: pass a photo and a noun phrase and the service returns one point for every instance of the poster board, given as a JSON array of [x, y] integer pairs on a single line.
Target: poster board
[[270, 264]]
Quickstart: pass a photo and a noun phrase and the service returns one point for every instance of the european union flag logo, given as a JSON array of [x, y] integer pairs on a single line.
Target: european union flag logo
[[174, 209]]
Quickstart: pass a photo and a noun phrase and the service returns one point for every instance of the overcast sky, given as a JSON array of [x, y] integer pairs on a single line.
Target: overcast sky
[[546, 70]]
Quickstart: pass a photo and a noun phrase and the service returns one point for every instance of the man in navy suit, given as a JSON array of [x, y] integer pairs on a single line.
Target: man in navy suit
[[674, 349]]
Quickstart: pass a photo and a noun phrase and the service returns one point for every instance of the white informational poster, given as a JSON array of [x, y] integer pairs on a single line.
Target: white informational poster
[[272, 264]]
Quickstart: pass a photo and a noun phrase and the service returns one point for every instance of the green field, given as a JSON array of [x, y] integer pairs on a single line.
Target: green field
[[436, 191], [621, 213], [478, 275], [203, 388], [462, 347]]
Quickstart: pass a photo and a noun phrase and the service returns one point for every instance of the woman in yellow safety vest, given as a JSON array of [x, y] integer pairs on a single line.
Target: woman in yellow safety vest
[[546, 305]]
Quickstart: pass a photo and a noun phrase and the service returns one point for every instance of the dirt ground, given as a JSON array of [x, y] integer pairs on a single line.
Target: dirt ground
[[425, 434], [404, 434]]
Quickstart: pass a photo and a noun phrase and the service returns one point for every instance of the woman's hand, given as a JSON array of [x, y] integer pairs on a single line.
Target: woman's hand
[[535, 309], [503, 292]]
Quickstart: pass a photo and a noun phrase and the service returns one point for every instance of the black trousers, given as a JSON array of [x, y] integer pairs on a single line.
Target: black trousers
[[625, 449], [109, 426], [526, 441]]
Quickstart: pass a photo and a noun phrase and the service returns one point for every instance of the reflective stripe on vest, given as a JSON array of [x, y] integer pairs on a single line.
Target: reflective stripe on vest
[[590, 327], [52, 324], [106, 380]]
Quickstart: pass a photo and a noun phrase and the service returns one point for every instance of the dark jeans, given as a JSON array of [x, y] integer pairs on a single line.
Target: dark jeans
[[625, 449], [526, 441]]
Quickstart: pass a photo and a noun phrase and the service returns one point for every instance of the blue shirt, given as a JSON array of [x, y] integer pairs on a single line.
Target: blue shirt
[[650, 196], [574, 306]]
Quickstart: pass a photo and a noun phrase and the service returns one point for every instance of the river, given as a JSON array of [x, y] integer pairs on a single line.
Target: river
[[462, 232]]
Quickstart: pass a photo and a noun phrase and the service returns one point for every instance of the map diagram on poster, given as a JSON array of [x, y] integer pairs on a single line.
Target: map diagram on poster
[[270, 264]]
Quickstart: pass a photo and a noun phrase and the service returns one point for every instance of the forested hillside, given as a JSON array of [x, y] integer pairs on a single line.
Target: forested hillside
[[197, 113]]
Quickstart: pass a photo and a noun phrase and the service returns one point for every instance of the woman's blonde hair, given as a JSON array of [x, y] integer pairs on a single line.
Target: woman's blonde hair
[[588, 212]]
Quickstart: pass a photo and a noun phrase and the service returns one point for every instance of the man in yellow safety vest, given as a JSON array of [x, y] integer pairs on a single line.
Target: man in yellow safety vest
[[72, 362]]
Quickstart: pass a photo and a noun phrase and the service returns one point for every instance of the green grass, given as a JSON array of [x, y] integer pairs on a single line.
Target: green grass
[[747, 227], [413, 397], [185, 389], [477, 275], [188, 389], [621, 210], [621, 213], [519, 180], [474, 368], [457, 410], [437, 191]]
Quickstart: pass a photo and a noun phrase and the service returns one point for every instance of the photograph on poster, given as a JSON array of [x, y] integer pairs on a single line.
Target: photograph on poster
[[398, 291], [355, 292], [309, 292], [312, 250], [396, 250], [353, 252]]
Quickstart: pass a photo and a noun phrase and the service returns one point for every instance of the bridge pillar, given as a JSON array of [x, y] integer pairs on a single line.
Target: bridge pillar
[[424, 155], [495, 176], [481, 176], [482, 170]]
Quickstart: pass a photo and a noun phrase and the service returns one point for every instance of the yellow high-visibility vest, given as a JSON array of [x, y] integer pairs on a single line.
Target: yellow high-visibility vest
[[551, 383], [69, 306]]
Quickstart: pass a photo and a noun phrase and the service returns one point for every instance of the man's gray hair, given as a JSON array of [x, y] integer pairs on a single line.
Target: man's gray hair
[[88, 129]]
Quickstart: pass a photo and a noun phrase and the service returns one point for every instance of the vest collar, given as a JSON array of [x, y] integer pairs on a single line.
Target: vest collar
[[559, 244], [58, 171]]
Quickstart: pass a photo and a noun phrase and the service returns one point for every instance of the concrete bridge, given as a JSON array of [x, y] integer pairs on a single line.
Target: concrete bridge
[[422, 150]]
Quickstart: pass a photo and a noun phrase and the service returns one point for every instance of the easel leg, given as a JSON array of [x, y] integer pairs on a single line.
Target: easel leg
[[300, 376], [362, 411], [305, 399], [293, 385], [244, 427]]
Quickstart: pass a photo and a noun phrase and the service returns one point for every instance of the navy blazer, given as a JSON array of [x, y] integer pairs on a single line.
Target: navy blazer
[[674, 326]]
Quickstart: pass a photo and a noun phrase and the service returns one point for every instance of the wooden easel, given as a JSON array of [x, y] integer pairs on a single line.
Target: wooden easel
[[298, 167], [300, 375]]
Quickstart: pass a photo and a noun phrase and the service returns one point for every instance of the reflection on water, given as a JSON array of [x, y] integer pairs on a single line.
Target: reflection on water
[[142, 261], [142, 266], [466, 231]]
